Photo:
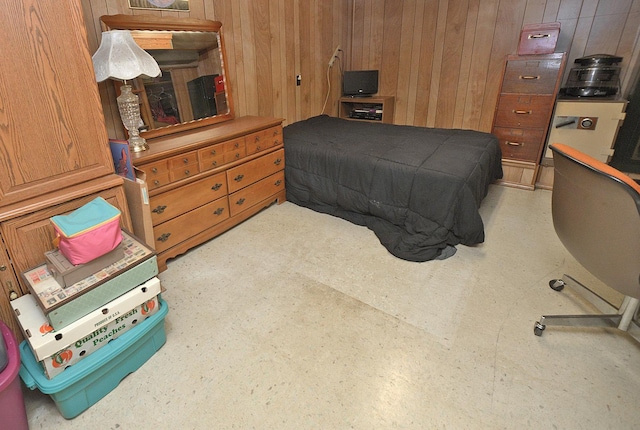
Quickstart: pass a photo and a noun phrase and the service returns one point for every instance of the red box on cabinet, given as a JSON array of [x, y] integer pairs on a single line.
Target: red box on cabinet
[[219, 81], [539, 38]]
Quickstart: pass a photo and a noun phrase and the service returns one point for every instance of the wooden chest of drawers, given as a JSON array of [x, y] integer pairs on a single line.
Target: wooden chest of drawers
[[203, 182], [525, 105]]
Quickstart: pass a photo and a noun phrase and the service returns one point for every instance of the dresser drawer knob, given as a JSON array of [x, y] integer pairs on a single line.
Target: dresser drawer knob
[[276, 142], [159, 209], [241, 201], [276, 132], [214, 163], [257, 139], [218, 211], [237, 145], [522, 112], [156, 182], [3, 268], [514, 143], [258, 148], [278, 161], [216, 187], [164, 237], [154, 170], [278, 182], [213, 152], [528, 77], [187, 172], [186, 161], [237, 155], [238, 178]]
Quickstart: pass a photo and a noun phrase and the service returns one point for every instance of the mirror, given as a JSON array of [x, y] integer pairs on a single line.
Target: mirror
[[193, 89]]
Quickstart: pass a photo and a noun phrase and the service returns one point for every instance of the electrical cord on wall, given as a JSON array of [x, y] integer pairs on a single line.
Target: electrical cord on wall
[[324, 106]]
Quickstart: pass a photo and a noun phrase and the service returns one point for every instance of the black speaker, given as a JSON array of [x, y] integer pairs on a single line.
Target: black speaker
[[201, 94]]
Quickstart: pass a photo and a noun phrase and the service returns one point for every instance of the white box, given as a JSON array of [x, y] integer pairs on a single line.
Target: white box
[[45, 341], [82, 348]]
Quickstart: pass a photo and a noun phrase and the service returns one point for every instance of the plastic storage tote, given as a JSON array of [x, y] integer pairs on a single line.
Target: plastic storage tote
[[85, 383], [12, 411]]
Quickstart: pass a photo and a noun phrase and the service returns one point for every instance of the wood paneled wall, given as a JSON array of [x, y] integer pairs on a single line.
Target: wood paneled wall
[[441, 59]]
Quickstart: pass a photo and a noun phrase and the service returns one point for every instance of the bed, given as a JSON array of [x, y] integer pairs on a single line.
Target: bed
[[418, 189]]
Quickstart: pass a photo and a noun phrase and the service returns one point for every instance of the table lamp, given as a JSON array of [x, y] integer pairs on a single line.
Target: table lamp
[[119, 57]]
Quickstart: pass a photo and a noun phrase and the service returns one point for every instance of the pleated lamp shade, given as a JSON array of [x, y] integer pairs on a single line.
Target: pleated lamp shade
[[120, 57]]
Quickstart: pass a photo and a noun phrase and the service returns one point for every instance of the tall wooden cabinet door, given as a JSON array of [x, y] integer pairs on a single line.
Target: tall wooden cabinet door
[[29, 236], [9, 290], [52, 132]]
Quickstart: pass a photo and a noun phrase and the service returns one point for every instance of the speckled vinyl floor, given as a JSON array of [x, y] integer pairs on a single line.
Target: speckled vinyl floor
[[299, 320]]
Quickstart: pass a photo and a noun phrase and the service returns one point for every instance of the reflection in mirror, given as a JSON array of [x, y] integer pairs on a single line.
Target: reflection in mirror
[[192, 90]]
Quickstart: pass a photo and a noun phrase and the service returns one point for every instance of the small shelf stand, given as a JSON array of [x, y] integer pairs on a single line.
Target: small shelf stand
[[376, 108]]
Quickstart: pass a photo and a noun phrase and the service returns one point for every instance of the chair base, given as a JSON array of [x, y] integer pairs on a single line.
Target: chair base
[[624, 318]]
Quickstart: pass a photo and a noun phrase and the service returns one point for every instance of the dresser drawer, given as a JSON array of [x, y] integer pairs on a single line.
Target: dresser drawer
[[157, 174], [531, 76], [183, 166], [181, 228], [518, 110], [252, 171], [249, 196], [178, 201], [264, 139], [520, 143]]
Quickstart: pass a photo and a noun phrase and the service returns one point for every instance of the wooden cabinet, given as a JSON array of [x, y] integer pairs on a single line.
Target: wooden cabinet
[[367, 108], [205, 181], [528, 93], [54, 153]]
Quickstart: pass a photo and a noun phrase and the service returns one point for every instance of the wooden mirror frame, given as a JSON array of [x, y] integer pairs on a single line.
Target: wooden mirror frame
[[153, 22]]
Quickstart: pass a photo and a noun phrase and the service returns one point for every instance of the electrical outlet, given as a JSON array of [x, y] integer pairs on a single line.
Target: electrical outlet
[[298, 80], [334, 56]]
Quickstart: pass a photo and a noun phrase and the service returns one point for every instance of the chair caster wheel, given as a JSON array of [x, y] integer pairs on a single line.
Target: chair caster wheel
[[557, 284], [538, 329]]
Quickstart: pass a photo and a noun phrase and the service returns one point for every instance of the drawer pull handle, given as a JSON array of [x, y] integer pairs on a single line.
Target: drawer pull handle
[[276, 142], [216, 187], [514, 143], [276, 132], [239, 202], [237, 145], [159, 209], [213, 152], [154, 170], [164, 237], [214, 163], [3, 268], [258, 148], [156, 182], [218, 211], [186, 161], [187, 172], [278, 161], [278, 182], [539, 36], [257, 139], [237, 155], [238, 178], [522, 112], [529, 77]]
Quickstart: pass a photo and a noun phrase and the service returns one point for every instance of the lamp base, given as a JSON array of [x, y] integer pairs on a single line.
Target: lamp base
[[137, 144]]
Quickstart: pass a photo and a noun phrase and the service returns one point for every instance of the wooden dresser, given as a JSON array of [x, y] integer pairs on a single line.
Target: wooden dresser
[[54, 154], [523, 113], [202, 182]]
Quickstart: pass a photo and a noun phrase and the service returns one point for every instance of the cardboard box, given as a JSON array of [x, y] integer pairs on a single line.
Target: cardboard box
[[137, 194], [45, 341], [67, 274], [64, 305], [83, 385], [83, 348]]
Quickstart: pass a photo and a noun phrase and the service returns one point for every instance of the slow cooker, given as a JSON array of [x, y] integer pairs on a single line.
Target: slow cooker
[[595, 76]]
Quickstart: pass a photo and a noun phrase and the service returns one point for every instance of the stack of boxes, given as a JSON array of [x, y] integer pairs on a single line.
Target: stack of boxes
[[89, 325]]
